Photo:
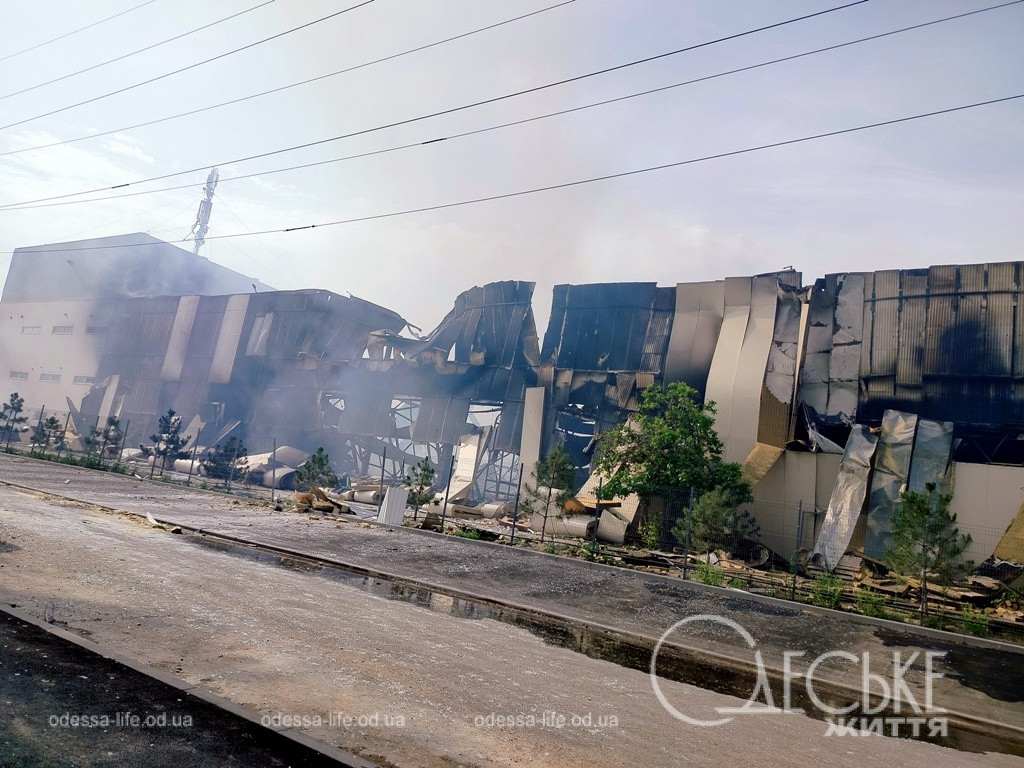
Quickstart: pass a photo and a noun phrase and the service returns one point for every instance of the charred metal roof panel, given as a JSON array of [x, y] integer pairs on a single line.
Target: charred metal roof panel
[[604, 326]]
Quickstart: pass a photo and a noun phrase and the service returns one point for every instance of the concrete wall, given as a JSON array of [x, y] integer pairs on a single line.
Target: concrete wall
[[986, 499], [129, 265], [50, 351], [799, 483]]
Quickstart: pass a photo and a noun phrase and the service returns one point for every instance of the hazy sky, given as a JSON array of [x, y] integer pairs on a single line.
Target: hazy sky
[[937, 191]]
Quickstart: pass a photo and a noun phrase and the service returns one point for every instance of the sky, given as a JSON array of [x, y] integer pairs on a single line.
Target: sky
[[942, 190]]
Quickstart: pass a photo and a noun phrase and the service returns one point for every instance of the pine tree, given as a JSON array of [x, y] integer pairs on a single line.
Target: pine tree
[[554, 474], [225, 462], [11, 412], [316, 472], [714, 521], [45, 432], [421, 484], [926, 541], [168, 441], [105, 439]]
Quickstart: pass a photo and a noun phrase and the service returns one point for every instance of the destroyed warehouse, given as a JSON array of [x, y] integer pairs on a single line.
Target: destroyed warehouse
[[835, 396]]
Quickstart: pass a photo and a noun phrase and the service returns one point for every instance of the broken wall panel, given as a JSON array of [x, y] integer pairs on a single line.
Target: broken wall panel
[[814, 378], [726, 361], [753, 362], [230, 334], [847, 341], [181, 331], [695, 326], [892, 465], [776, 407], [933, 444], [848, 496]]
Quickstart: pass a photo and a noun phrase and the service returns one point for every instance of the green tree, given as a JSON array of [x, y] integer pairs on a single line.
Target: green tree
[[316, 472], [106, 439], [46, 433], [421, 484], [11, 413], [926, 542], [553, 475], [669, 449], [223, 462], [714, 521], [168, 441]]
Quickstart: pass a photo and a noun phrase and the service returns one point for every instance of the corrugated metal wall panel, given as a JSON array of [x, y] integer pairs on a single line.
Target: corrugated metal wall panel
[[913, 315], [886, 326], [941, 284], [885, 333], [869, 325], [965, 352], [1002, 282]]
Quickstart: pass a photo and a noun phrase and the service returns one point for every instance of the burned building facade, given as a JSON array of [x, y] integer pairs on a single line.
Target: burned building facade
[[835, 397]]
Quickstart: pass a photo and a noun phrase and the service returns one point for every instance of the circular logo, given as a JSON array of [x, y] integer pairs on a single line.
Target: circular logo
[[656, 684]]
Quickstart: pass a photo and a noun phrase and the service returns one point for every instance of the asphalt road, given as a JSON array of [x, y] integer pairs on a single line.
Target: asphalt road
[[986, 683], [394, 681], [62, 705]]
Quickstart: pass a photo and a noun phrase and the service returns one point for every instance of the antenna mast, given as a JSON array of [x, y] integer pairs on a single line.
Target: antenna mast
[[202, 222]]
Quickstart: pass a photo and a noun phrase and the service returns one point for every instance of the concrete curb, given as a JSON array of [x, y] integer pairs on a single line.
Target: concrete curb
[[955, 638], [343, 758]]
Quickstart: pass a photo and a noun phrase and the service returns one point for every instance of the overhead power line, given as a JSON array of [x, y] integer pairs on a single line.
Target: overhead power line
[[566, 184], [447, 111], [525, 120], [124, 56], [186, 68], [296, 84], [65, 35]]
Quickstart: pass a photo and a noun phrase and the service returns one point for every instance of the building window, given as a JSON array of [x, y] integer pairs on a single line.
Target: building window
[[31, 330], [95, 330], [49, 377], [19, 375], [85, 379], [63, 330]]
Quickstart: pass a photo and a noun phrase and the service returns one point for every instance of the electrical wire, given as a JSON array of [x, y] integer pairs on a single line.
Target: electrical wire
[[186, 68], [565, 184], [447, 111], [288, 86], [522, 121], [124, 56], [65, 35]]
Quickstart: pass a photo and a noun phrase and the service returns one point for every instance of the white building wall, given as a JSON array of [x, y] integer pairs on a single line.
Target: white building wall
[[49, 351]]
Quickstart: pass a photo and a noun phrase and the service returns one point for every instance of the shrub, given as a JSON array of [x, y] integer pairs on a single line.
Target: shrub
[[974, 622], [827, 591], [710, 575], [871, 604]]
